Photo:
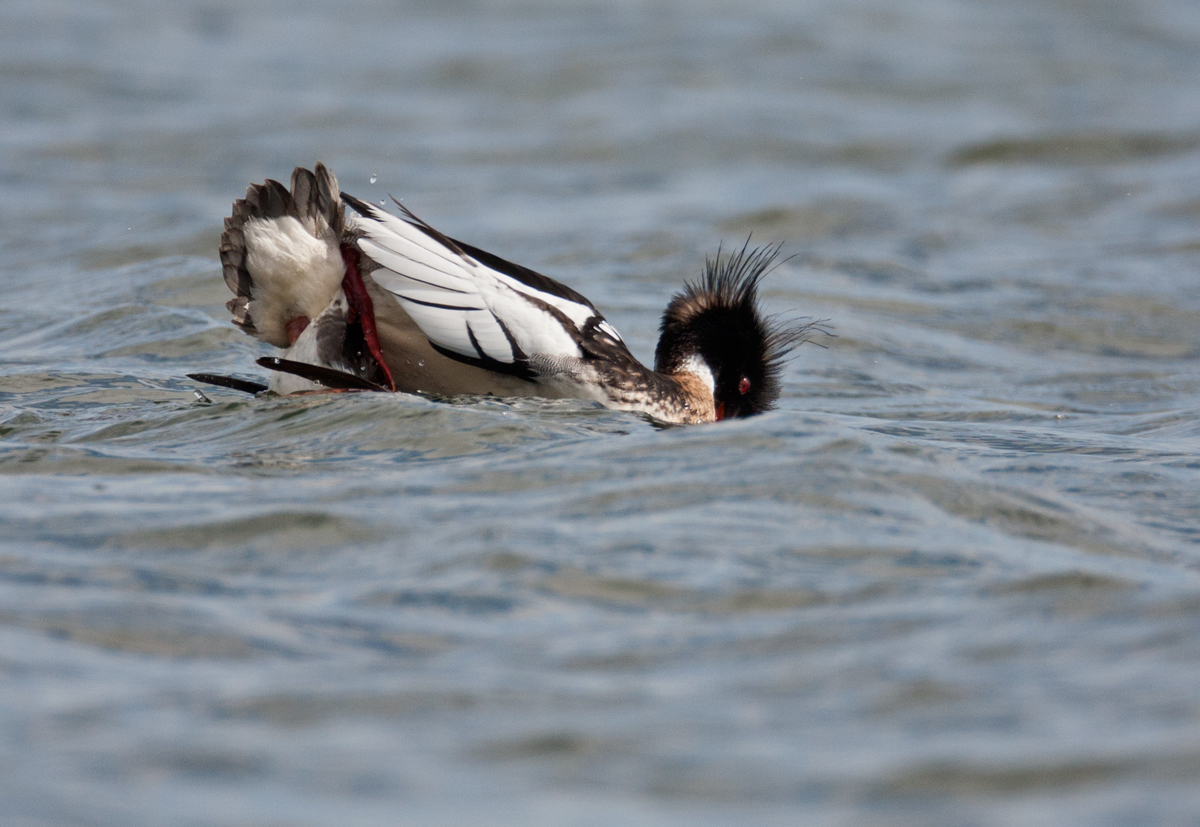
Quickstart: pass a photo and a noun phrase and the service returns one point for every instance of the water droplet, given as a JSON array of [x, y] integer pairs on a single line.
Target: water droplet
[[420, 363], [381, 202], [374, 178]]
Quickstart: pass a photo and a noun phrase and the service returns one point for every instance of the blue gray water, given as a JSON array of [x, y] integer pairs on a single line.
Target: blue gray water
[[953, 580]]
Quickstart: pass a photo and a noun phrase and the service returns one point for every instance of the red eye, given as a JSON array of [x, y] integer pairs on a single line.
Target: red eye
[[744, 386]]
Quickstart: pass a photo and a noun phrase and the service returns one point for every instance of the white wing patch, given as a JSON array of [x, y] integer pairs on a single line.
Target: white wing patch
[[605, 327], [462, 305]]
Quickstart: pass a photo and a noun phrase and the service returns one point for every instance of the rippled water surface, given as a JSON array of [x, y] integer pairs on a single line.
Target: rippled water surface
[[953, 580]]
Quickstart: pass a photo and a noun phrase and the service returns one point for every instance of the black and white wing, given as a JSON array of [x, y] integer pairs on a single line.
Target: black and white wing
[[476, 307]]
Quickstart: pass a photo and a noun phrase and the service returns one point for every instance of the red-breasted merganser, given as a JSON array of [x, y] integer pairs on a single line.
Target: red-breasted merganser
[[360, 298]]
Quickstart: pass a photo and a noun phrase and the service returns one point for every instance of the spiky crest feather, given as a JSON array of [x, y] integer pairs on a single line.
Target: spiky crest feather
[[719, 319]]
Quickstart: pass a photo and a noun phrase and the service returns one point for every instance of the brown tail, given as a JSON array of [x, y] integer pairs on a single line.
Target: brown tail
[[313, 201]]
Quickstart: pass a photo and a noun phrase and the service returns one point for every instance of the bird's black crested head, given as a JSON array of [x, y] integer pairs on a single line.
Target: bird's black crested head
[[718, 320]]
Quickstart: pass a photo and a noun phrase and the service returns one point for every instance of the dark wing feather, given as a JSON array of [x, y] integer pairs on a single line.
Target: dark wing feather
[[243, 385], [328, 377]]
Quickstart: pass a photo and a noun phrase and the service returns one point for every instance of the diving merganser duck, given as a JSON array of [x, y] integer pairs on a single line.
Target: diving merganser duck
[[362, 299]]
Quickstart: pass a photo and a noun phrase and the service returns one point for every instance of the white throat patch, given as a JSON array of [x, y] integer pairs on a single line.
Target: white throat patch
[[695, 364]]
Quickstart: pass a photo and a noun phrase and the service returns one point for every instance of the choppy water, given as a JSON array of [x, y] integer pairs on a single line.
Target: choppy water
[[953, 580]]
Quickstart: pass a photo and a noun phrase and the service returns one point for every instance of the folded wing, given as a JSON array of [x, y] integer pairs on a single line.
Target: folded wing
[[473, 306]]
